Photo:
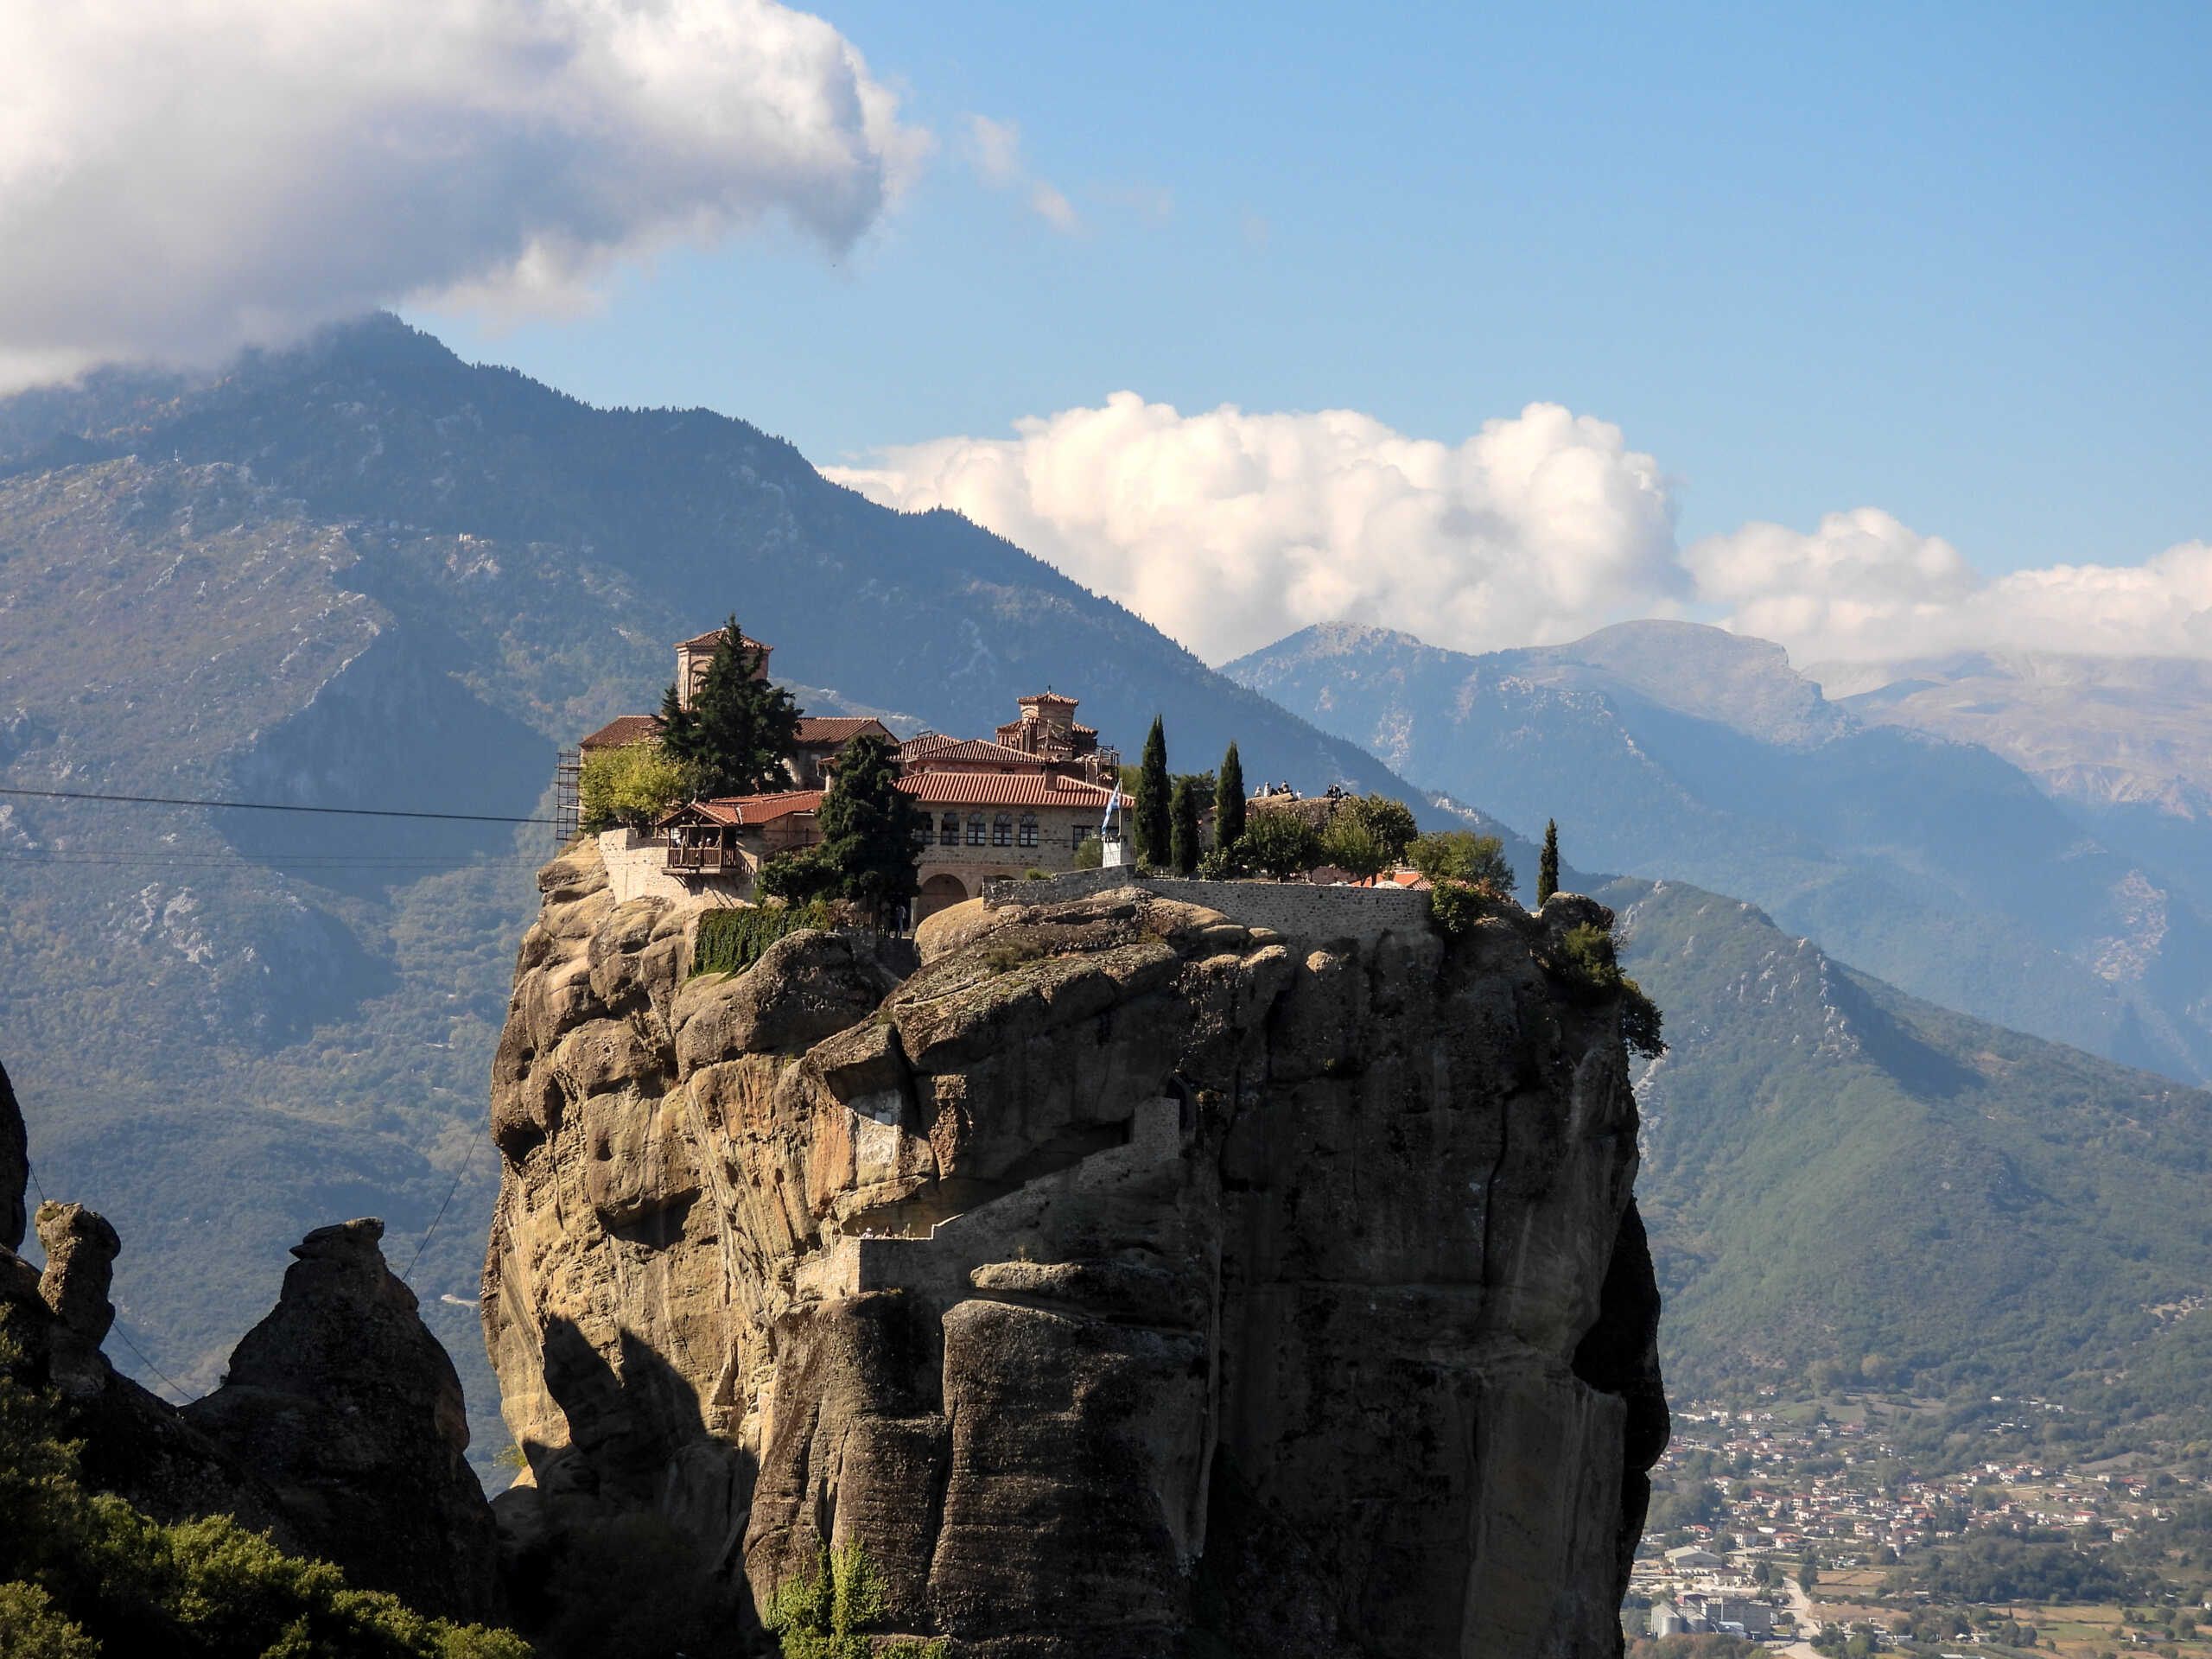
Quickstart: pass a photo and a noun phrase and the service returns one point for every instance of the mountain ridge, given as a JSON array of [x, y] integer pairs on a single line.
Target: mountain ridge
[[1675, 751]]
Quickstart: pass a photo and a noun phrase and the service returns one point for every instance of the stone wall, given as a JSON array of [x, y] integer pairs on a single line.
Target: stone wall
[[1290, 908], [637, 868]]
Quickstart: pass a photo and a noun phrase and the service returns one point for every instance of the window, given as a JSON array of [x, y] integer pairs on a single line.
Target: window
[[1029, 838], [975, 830], [949, 832], [1077, 835], [1002, 830], [924, 833]]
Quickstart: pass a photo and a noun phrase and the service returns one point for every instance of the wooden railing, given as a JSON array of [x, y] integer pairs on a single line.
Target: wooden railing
[[704, 858]]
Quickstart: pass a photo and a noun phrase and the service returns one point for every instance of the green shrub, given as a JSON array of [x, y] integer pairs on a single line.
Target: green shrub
[[1224, 863], [799, 878], [731, 941], [81, 1573], [1353, 845], [1278, 842], [31, 1627], [1457, 905], [632, 787], [1462, 856], [825, 1615], [1389, 821], [1588, 963], [1091, 854]]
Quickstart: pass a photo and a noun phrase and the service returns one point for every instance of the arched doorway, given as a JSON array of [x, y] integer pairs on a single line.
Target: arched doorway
[[939, 891]]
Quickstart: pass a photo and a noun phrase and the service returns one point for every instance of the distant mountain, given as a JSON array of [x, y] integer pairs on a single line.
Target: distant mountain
[[1840, 1178], [1672, 750], [366, 574], [2123, 744]]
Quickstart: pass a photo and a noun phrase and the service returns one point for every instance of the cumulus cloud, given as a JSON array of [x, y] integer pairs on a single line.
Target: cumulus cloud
[[1863, 586], [177, 180], [1228, 529], [994, 151]]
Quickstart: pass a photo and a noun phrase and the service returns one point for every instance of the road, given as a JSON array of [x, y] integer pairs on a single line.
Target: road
[[1801, 1604]]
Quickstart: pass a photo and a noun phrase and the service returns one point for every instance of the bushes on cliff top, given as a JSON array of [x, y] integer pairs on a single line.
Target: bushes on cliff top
[[633, 786], [1587, 961], [1279, 843], [826, 1614], [84, 1573], [731, 941], [1462, 856]]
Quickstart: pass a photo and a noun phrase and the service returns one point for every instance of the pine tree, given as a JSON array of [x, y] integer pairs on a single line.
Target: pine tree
[[1155, 837], [868, 827], [1183, 812], [1547, 863], [738, 731], [1229, 800]]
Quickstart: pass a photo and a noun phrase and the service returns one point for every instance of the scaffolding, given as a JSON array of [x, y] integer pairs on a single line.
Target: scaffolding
[[568, 797]]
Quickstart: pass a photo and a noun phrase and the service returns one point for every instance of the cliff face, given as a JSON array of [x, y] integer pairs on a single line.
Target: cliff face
[[1130, 1280]]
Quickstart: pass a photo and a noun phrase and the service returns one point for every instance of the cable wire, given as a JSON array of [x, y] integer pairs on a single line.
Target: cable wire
[[466, 1158], [271, 806], [184, 1394]]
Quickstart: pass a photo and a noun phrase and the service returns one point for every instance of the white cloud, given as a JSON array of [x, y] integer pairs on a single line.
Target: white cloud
[[1228, 529], [177, 180], [994, 151], [1863, 586]]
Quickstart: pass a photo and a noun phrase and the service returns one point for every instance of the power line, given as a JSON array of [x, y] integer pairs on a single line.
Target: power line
[[286, 860], [467, 1157], [184, 1394], [271, 806]]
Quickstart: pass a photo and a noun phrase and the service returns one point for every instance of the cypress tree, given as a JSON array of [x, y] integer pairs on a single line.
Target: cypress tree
[[1184, 829], [738, 731], [1155, 837], [1547, 863], [1229, 800]]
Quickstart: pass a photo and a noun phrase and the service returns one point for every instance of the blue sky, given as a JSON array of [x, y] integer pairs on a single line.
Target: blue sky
[[1951, 261]]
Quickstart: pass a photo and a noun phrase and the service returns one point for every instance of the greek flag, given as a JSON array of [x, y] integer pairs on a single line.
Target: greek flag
[[1106, 824]]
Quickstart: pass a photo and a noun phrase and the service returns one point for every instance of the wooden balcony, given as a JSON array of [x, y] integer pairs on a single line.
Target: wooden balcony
[[712, 860]]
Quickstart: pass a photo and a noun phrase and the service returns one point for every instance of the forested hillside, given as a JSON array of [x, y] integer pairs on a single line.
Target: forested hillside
[[1846, 1183]]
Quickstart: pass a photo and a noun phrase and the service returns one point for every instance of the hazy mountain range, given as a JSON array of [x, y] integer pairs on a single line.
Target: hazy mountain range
[[365, 573], [1666, 749]]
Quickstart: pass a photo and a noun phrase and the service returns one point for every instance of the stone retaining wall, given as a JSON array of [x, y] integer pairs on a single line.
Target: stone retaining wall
[[1291, 908]]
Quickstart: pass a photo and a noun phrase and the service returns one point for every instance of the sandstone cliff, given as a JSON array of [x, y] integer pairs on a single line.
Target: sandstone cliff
[[1131, 1280]]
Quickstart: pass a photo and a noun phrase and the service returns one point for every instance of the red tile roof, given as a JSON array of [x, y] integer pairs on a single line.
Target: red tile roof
[[708, 640], [742, 810], [839, 728], [934, 749], [622, 731], [1000, 789]]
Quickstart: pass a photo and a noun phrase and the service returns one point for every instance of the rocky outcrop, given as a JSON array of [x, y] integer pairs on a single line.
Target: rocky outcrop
[[344, 1403], [1129, 1281], [339, 1430], [81, 1250], [15, 1166]]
